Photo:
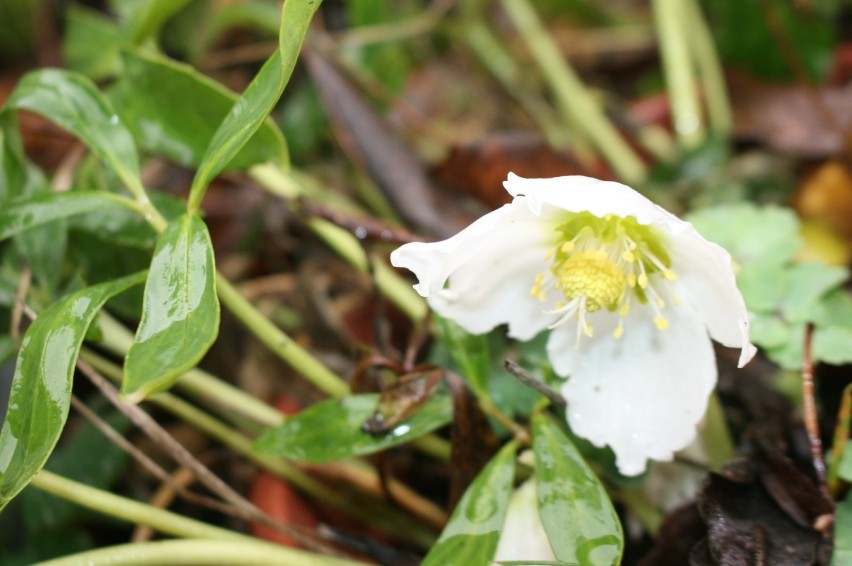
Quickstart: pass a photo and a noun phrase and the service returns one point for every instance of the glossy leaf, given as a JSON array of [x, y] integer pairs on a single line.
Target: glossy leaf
[[472, 534], [579, 519], [255, 104], [72, 101], [174, 110], [21, 215], [180, 313], [41, 387], [331, 430]]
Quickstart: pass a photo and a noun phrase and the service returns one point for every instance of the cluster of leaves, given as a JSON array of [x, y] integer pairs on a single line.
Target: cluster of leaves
[[783, 295]]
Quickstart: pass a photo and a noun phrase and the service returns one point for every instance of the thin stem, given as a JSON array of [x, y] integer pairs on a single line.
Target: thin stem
[[679, 70], [390, 520], [398, 290], [223, 397], [497, 60], [841, 439], [811, 419], [278, 342], [224, 542], [574, 99], [712, 76]]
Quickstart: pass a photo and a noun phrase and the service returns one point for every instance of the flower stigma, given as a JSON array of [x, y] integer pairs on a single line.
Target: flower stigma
[[603, 263]]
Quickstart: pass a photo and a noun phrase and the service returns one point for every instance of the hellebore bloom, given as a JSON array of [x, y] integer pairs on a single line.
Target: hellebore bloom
[[631, 294]]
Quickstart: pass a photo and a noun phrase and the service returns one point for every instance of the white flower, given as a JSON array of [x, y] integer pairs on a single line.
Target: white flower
[[630, 292], [523, 536]]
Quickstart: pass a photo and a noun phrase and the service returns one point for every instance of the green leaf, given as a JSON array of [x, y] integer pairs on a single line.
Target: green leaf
[[257, 101], [470, 352], [769, 331], [73, 460], [72, 101], [579, 519], [833, 345], [43, 250], [763, 286], [18, 176], [41, 387], [472, 534], [180, 313], [21, 215], [125, 226], [331, 430], [807, 283], [843, 533], [768, 234], [151, 16], [92, 43], [174, 110]]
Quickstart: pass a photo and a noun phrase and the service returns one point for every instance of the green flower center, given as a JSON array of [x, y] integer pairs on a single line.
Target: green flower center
[[604, 263]]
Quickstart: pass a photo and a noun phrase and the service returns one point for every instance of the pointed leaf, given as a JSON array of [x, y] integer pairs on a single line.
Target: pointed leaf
[[174, 110], [473, 532], [41, 387], [180, 313], [257, 101], [21, 215], [579, 519], [72, 102], [150, 18], [331, 430]]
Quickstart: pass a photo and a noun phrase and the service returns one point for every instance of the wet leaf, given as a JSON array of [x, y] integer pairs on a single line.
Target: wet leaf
[[174, 110], [72, 101], [473, 532], [579, 519], [401, 399], [331, 430], [21, 215], [41, 387], [252, 108], [180, 313]]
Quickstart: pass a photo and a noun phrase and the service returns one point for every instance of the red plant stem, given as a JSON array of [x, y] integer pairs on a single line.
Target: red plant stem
[[810, 411]]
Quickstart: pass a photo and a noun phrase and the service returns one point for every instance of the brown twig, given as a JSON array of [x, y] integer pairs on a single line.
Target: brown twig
[[810, 411], [20, 304], [181, 455], [527, 379]]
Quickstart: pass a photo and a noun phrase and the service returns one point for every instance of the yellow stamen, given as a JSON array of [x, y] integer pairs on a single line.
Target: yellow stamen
[[661, 323]]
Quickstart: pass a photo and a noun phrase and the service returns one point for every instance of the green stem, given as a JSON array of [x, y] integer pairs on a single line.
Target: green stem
[[841, 440], [390, 520], [715, 435], [573, 98], [226, 399], [494, 56], [279, 343], [197, 553], [165, 522], [392, 285], [712, 77], [669, 16]]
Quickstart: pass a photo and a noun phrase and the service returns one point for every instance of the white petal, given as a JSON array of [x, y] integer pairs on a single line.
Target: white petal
[[707, 282], [642, 394], [491, 266], [523, 536], [577, 194]]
